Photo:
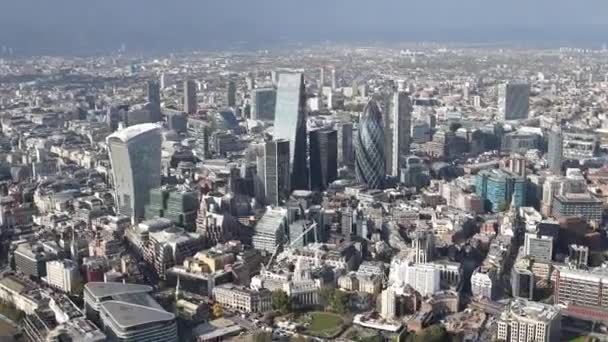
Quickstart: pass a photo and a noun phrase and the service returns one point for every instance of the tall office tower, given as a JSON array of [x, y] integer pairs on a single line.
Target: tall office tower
[[153, 90], [113, 117], [388, 304], [397, 131], [524, 321], [231, 93], [513, 101], [263, 102], [276, 171], [370, 160], [323, 158], [334, 81], [290, 124], [555, 150], [163, 81], [190, 101], [346, 153], [250, 80], [135, 158], [321, 77]]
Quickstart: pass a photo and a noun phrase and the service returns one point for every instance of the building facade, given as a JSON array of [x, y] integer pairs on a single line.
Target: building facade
[[513, 101], [135, 155], [290, 124], [370, 163], [323, 158]]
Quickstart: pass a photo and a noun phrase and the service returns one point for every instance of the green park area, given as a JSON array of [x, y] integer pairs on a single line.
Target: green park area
[[321, 324]]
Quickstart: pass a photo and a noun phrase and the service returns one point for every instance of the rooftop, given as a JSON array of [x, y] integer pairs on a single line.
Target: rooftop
[[132, 132], [128, 315]]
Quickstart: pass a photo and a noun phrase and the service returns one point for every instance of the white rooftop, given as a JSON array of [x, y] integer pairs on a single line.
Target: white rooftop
[[134, 131]]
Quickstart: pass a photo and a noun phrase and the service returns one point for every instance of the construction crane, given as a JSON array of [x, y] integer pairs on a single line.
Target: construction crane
[[306, 231]]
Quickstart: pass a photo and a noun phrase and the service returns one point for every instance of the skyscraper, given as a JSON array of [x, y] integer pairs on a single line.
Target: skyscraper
[[276, 171], [346, 153], [136, 165], [290, 124], [397, 132], [263, 101], [388, 304], [153, 90], [334, 81], [321, 77], [513, 100], [231, 93], [323, 158], [555, 150], [190, 104], [370, 160]]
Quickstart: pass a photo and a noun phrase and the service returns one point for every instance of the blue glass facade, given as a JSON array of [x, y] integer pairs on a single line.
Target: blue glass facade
[[370, 159], [499, 188]]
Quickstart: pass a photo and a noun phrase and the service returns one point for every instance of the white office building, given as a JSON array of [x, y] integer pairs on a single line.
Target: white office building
[[524, 321], [63, 275]]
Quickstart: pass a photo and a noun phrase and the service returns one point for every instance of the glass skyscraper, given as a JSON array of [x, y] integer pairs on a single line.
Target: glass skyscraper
[[135, 155], [290, 124], [513, 100], [397, 133], [190, 101], [323, 158], [153, 90], [231, 96], [276, 171], [555, 150], [499, 188], [263, 101], [369, 156]]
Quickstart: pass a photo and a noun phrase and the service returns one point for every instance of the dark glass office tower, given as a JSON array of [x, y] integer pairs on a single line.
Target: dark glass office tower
[[190, 104], [323, 158], [231, 94], [153, 90]]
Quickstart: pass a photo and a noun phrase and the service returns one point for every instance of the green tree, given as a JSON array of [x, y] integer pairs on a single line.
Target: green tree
[[217, 310], [259, 336], [454, 126], [433, 333], [281, 302], [340, 302], [326, 296], [503, 207]]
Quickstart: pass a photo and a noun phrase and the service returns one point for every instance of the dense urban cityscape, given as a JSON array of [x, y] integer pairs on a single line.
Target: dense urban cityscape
[[413, 192]]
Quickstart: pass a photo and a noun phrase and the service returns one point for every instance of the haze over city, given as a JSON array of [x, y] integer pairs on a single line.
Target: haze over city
[[71, 26], [267, 170]]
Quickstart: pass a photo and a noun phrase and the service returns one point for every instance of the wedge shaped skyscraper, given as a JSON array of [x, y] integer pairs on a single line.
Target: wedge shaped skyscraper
[[135, 158], [290, 124]]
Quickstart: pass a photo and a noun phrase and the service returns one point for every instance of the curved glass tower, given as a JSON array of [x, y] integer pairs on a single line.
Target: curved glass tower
[[135, 155], [369, 143]]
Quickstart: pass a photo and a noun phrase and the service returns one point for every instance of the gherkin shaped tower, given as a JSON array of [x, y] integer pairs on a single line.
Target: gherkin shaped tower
[[369, 143]]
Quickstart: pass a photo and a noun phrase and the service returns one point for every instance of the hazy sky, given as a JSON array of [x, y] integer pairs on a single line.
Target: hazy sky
[[73, 25]]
